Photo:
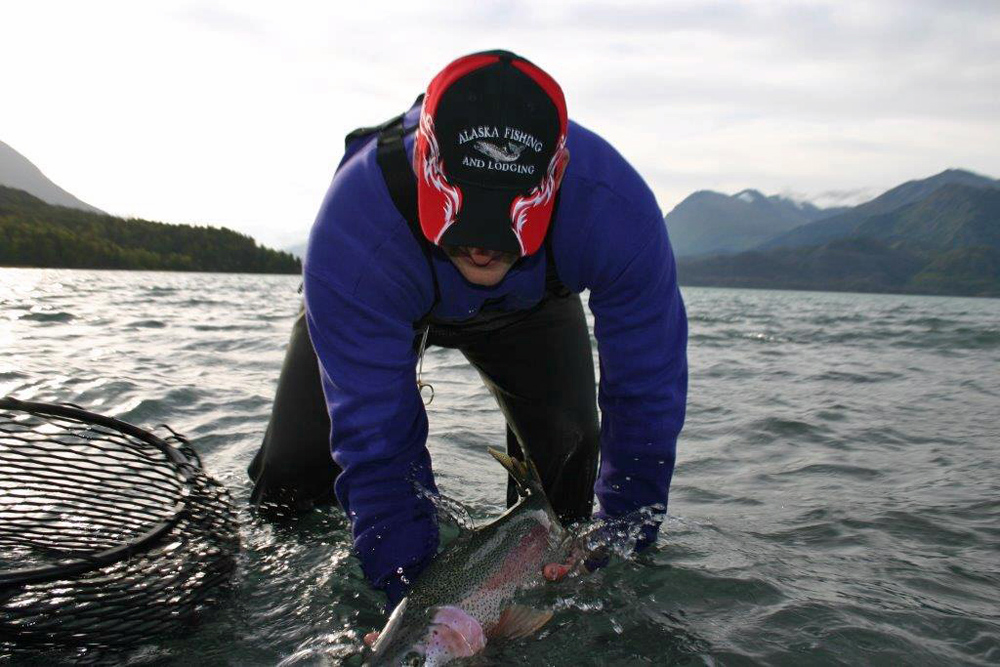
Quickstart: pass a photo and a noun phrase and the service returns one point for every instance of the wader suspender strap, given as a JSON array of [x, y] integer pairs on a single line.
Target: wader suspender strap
[[402, 184]]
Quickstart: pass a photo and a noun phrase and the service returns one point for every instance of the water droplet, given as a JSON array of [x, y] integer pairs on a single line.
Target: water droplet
[[628, 478]]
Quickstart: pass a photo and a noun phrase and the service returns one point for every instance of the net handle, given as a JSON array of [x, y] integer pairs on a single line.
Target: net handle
[[72, 567]]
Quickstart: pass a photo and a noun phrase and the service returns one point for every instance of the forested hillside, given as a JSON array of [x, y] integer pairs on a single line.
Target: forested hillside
[[33, 233]]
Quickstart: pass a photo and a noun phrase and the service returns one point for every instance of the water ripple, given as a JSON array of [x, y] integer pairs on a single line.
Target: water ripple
[[835, 499]]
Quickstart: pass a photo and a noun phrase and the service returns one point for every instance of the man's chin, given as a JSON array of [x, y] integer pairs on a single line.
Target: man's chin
[[485, 276]]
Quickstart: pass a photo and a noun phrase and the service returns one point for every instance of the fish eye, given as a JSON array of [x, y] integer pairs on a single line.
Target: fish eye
[[413, 659]]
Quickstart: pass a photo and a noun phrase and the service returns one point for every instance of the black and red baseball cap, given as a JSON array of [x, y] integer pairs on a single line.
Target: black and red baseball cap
[[489, 154]]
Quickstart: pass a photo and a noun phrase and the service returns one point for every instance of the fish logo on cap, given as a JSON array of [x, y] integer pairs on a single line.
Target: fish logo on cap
[[509, 153]]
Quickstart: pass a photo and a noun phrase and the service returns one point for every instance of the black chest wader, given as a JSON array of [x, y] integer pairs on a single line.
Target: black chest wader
[[536, 362]]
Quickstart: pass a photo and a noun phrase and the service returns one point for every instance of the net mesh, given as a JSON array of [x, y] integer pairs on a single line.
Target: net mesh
[[109, 535]]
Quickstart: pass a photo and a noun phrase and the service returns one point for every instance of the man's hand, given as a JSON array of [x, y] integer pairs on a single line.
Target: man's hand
[[558, 571], [589, 552], [370, 638]]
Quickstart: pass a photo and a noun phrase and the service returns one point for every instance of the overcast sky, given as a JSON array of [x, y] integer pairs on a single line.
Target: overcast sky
[[233, 113]]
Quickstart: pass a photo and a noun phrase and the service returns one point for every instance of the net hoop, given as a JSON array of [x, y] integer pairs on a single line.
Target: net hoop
[[71, 567], [110, 535]]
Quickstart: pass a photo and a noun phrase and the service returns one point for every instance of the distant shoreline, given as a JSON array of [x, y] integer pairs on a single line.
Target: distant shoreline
[[817, 290], [6, 267]]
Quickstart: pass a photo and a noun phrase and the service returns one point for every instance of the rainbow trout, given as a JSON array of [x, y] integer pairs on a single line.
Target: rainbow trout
[[465, 597]]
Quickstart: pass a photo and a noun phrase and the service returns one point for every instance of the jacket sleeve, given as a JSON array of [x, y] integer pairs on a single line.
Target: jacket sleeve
[[641, 331], [378, 432]]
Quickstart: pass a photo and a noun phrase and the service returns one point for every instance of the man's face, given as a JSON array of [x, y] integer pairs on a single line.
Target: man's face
[[480, 266]]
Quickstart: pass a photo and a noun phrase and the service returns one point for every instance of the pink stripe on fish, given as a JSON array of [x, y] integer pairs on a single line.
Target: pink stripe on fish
[[529, 553]]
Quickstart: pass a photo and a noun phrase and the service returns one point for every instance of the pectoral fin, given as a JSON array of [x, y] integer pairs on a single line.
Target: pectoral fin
[[518, 621]]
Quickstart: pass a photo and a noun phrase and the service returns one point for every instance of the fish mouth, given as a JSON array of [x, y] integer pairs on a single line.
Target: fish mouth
[[454, 634], [449, 633]]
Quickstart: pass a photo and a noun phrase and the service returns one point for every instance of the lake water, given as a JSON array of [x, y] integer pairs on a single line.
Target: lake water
[[836, 500]]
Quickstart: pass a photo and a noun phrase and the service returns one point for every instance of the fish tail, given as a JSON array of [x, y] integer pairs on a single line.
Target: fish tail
[[524, 473]]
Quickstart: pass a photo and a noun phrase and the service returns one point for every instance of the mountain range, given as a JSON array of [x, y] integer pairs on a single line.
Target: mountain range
[[938, 235], [708, 222], [847, 223]]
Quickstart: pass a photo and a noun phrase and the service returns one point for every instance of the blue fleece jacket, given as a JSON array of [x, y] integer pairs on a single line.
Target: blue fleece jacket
[[367, 282]]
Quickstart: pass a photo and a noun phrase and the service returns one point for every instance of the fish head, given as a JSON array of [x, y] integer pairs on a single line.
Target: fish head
[[429, 638]]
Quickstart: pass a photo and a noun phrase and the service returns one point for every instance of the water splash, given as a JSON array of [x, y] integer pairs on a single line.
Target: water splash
[[450, 511]]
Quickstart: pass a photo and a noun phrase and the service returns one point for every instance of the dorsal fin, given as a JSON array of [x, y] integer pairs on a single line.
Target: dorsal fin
[[525, 474]]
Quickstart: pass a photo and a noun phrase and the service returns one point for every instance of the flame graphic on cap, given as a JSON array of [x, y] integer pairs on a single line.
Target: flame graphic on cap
[[540, 195], [432, 171]]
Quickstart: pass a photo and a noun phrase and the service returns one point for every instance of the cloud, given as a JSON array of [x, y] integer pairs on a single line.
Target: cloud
[[234, 114], [220, 18], [820, 59], [833, 198]]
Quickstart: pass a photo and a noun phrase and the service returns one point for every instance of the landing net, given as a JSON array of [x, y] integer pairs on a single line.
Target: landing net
[[109, 534]]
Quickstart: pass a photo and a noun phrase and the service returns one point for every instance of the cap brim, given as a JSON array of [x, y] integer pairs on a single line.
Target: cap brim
[[484, 220]]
